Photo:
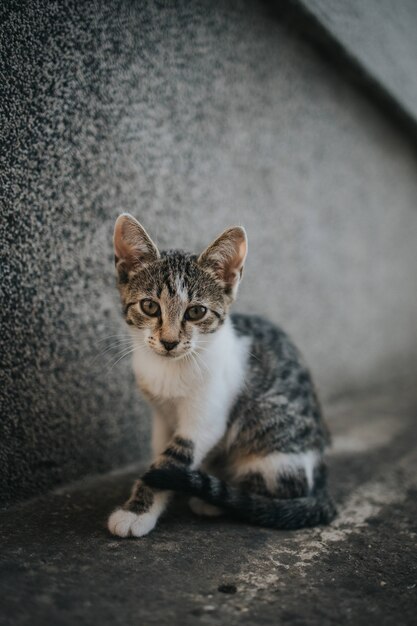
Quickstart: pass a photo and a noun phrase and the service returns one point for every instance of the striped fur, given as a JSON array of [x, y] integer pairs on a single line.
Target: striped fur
[[237, 422], [261, 509]]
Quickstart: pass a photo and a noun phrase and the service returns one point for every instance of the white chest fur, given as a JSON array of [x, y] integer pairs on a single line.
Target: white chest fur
[[208, 381]]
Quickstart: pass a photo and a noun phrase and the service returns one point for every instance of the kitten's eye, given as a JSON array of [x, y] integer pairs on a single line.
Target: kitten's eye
[[195, 313], [149, 307]]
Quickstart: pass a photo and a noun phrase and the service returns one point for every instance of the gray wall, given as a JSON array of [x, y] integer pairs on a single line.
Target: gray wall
[[192, 116], [380, 36]]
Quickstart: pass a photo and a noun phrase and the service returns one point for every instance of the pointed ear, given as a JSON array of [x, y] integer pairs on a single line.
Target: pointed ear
[[226, 256], [132, 245]]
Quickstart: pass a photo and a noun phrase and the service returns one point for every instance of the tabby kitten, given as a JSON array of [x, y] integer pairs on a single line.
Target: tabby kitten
[[237, 424]]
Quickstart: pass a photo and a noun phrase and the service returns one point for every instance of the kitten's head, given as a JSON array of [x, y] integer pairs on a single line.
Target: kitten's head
[[176, 300]]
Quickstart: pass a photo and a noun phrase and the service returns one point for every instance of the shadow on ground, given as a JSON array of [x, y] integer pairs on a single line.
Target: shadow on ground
[[60, 566]]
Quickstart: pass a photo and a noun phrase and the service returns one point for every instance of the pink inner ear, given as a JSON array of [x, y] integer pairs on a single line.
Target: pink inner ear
[[230, 268], [131, 242], [232, 276], [234, 266], [121, 250], [242, 254]]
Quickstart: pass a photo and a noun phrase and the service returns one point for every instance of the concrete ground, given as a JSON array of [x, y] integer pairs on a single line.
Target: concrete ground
[[60, 566]]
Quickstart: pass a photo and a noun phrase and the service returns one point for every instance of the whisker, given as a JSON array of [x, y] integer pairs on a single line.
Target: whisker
[[120, 335], [202, 349], [114, 346], [198, 356], [122, 357], [117, 343], [197, 365], [254, 356], [118, 353], [199, 362]]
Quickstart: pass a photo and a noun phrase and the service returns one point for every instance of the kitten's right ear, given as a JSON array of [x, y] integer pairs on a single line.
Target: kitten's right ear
[[132, 245]]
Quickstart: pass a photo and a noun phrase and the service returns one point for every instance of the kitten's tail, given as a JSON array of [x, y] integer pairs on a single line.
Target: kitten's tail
[[251, 507]]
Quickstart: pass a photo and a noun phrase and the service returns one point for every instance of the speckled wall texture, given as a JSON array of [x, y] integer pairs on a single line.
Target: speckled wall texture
[[193, 116]]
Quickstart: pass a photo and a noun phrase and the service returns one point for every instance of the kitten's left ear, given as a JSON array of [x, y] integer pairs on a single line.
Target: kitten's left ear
[[226, 256]]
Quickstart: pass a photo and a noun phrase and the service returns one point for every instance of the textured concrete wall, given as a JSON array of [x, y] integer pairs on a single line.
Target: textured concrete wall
[[381, 36], [192, 116]]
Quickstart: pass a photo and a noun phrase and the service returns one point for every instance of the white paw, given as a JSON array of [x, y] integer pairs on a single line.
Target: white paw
[[125, 523], [199, 507]]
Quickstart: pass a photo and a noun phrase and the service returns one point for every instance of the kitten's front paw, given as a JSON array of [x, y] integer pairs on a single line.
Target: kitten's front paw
[[127, 524]]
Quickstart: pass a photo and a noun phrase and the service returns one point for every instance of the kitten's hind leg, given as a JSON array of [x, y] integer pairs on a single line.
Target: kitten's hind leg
[[282, 475], [199, 507]]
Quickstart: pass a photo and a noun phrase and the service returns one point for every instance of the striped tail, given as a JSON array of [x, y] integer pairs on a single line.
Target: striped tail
[[250, 507]]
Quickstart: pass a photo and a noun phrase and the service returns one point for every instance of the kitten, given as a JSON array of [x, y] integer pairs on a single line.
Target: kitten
[[237, 424]]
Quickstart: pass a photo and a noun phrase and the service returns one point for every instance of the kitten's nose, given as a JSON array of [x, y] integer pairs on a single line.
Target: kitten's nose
[[169, 345]]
